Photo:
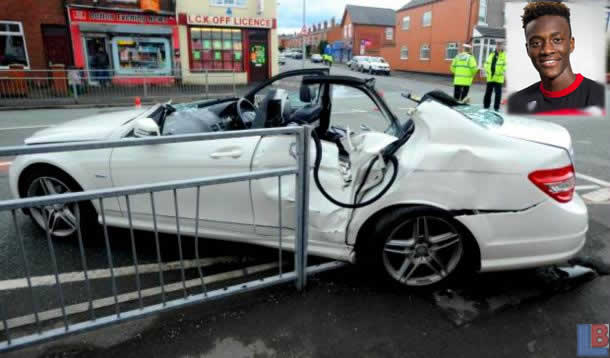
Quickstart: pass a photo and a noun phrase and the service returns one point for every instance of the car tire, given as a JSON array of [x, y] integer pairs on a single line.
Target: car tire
[[63, 220], [370, 70], [437, 253]]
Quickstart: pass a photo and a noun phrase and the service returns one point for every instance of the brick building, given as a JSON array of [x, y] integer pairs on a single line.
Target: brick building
[[33, 33], [316, 33], [366, 31], [429, 33]]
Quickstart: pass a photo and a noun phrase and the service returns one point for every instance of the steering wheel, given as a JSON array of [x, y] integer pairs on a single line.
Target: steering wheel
[[246, 117]]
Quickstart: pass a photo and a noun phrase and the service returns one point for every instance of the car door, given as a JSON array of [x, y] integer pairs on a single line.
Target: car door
[[221, 207], [351, 108]]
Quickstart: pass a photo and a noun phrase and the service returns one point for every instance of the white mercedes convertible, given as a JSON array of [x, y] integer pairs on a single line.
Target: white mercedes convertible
[[444, 188]]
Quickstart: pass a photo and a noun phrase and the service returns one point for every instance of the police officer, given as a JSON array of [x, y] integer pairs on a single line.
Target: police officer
[[464, 68], [495, 65]]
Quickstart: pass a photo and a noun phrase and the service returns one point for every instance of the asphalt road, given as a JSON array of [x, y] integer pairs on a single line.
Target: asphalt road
[[590, 137]]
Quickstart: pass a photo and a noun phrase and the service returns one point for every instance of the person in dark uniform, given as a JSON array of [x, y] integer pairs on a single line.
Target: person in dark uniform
[[549, 43], [100, 65]]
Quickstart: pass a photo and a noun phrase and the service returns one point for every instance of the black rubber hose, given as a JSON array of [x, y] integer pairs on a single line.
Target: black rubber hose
[[316, 178]]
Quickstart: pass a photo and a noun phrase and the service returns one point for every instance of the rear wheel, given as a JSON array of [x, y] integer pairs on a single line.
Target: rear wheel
[[419, 247], [62, 220]]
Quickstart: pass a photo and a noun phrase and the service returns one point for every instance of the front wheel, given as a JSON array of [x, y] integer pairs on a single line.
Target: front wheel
[[61, 220], [420, 247]]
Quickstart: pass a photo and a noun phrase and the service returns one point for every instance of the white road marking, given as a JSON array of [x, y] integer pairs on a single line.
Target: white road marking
[[132, 296], [583, 142], [598, 196], [24, 127], [351, 112], [592, 180], [105, 273], [586, 187]]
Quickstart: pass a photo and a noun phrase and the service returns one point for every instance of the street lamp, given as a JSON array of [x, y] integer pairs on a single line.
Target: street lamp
[[303, 36]]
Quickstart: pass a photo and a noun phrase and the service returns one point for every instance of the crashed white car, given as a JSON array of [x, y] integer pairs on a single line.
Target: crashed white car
[[447, 189]]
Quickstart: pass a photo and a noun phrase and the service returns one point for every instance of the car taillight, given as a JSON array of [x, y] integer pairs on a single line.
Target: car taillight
[[559, 183]]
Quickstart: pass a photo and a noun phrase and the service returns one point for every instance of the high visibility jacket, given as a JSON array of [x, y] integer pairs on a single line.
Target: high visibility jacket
[[463, 67], [500, 67], [327, 58]]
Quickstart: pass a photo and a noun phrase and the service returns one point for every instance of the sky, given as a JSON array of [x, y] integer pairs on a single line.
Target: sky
[[290, 12]]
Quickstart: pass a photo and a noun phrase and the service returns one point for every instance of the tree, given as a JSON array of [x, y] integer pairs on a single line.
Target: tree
[[323, 45]]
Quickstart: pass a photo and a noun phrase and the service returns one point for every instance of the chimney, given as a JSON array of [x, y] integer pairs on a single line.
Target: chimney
[[332, 22]]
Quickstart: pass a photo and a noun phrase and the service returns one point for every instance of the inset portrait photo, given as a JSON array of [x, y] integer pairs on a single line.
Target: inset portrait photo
[[556, 58]]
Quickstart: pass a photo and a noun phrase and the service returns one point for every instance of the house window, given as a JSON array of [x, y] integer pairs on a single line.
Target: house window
[[406, 21], [389, 33], [451, 51], [424, 52], [349, 31], [12, 44], [426, 19], [216, 48], [483, 12], [404, 52], [229, 3]]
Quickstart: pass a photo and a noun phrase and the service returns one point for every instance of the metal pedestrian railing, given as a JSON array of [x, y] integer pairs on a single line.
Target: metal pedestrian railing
[[40, 325], [74, 86]]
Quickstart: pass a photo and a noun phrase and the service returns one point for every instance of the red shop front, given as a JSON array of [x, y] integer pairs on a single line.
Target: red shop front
[[138, 47]]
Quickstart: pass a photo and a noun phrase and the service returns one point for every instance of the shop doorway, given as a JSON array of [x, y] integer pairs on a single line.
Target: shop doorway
[[258, 55], [98, 73]]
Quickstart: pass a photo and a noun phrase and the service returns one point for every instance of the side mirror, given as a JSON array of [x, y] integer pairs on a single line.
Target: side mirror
[[305, 94], [146, 127]]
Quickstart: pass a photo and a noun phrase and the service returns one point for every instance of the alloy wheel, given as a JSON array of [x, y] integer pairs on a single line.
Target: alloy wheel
[[60, 219], [422, 251]]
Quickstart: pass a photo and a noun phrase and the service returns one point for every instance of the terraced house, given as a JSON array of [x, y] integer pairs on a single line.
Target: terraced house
[[429, 33]]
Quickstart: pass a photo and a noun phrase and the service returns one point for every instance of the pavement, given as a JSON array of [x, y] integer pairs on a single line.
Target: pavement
[[349, 312]]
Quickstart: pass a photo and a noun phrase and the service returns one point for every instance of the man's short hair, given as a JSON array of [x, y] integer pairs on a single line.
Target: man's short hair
[[536, 9]]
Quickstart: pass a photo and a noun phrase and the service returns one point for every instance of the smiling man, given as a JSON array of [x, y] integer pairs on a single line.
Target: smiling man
[[549, 43]]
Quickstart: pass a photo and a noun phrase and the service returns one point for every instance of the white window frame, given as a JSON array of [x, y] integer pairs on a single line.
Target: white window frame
[[233, 3], [25, 45], [406, 20], [404, 52], [389, 33], [483, 11], [423, 18], [421, 51], [454, 47]]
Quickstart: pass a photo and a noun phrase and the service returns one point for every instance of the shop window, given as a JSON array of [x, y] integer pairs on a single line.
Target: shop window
[[404, 52], [426, 19], [12, 44], [137, 55], [216, 49], [406, 22], [451, 51], [229, 3], [424, 52]]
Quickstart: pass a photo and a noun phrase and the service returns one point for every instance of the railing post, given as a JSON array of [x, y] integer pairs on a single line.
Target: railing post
[[302, 209], [75, 92], [207, 83], [145, 90], [234, 87]]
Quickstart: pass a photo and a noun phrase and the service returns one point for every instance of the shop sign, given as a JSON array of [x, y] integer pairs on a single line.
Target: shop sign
[[110, 17], [239, 21]]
